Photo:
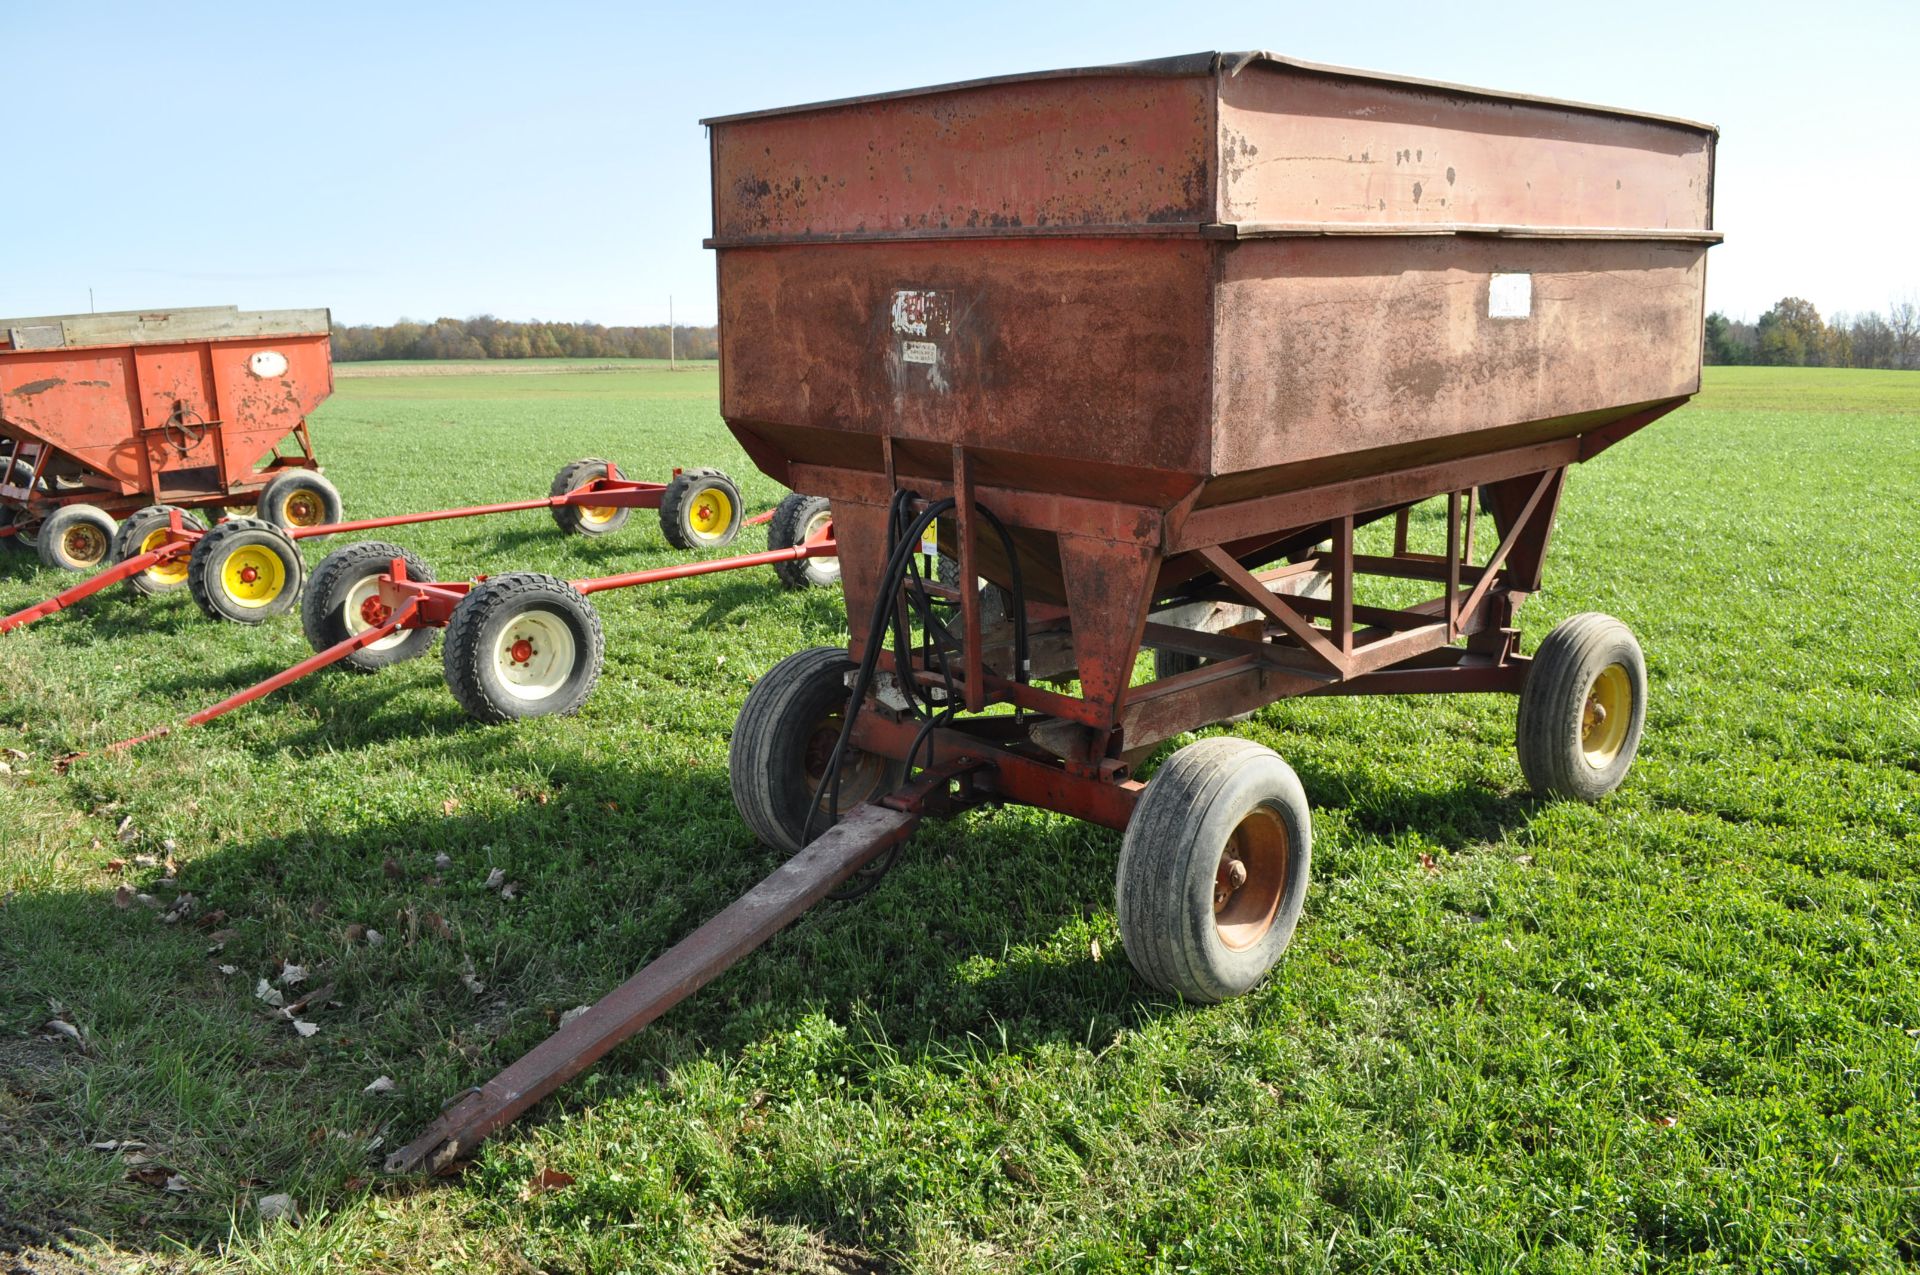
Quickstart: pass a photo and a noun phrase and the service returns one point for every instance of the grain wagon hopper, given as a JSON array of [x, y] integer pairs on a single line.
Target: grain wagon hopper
[[103, 414], [1147, 344]]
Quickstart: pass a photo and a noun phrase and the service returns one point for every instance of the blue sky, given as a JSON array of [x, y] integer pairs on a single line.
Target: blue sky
[[545, 160]]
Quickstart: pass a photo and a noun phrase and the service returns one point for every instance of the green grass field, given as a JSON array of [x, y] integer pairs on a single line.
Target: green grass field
[[1680, 1030]]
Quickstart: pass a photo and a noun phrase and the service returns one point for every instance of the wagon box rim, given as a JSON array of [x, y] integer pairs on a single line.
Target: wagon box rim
[[1225, 64]]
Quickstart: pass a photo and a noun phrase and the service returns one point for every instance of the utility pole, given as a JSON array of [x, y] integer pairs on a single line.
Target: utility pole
[[671, 365]]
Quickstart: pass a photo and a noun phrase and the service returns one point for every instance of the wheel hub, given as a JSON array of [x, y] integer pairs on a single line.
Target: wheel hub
[[521, 651], [1250, 879], [1606, 715]]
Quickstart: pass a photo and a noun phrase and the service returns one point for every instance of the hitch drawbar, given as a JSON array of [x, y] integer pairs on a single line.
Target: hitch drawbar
[[683, 969]]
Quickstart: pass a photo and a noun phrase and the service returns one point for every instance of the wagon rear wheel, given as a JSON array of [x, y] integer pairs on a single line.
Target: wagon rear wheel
[[342, 600], [1582, 709], [298, 498], [1213, 869], [146, 530], [700, 509], [76, 538], [245, 571], [782, 742], [586, 520], [797, 519], [522, 645]]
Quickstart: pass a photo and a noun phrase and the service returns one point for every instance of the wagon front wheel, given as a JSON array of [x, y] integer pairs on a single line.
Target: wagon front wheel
[[1582, 709], [342, 600], [76, 538], [783, 741], [700, 509], [586, 520], [1213, 869], [522, 645], [298, 498], [146, 530], [797, 519], [245, 571]]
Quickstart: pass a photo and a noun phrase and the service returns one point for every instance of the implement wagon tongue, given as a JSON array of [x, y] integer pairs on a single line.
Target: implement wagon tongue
[[683, 969]]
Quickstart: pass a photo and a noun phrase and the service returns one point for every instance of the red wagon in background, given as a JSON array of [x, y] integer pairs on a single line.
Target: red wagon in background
[[105, 414]]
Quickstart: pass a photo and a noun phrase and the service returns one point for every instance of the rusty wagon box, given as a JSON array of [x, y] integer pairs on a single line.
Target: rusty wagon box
[[187, 407]]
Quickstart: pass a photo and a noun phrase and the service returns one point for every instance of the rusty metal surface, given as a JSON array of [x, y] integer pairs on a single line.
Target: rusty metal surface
[[165, 416], [1319, 146], [1112, 151], [676, 974]]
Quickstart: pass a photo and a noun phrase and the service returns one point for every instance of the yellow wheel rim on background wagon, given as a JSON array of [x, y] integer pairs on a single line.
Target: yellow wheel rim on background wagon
[[595, 515], [253, 576], [711, 513], [303, 507], [172, 571], [84, 544]]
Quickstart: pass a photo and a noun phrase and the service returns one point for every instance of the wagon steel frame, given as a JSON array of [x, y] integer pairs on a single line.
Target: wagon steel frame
[[614, 491], [404, 603]]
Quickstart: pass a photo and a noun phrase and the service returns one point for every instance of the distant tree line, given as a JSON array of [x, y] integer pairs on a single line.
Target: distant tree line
[[485, 337], [1792, 334]]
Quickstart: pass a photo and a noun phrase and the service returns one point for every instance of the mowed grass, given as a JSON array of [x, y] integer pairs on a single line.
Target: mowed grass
[[1678, 1030]]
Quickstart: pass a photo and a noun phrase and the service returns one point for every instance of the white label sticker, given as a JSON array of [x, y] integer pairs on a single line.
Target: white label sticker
[[920, 352], [268, 363], [1510, 296]]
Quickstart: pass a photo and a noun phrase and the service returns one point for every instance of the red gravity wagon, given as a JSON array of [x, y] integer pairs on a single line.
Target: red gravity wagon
[[1148, 345]]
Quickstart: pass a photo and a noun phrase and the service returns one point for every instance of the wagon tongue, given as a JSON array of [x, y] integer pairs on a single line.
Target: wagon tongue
[[752, 919]]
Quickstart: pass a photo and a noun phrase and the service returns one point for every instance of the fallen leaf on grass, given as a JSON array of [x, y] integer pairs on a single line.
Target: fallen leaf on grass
[[379, 1085], [511, 890], [275, 1208], [182, 908], [496, 878], [573, 1013], [126, 831], [264, 991], [123, 897], [229, 970], [443, 861], [178, 1184], [544, 1181], [1426, 861], [1524, 860], [117, 1144], [61, 1027], [304, 1027], [291, 974], [450, 805], [1666, 1122], [473, 984], [115, 865], [1096, 950], [155, 1175]]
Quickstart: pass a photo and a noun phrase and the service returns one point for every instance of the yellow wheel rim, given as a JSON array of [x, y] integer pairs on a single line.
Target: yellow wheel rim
[[710, 514], [303, 507], [1609, 709], [172, 571], [596, 515], [253, 575], [84, 544]]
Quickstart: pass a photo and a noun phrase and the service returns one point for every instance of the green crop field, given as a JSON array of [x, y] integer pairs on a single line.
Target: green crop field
[[1679, 1030]]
